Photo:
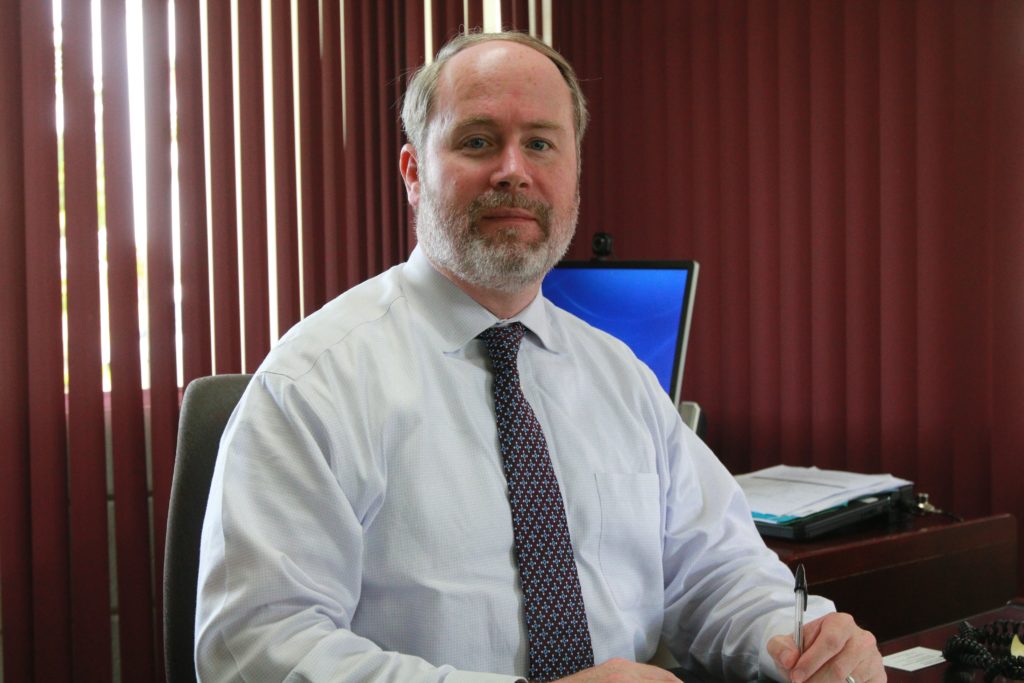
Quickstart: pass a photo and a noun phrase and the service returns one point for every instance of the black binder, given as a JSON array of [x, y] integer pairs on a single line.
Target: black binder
[[892, 503]]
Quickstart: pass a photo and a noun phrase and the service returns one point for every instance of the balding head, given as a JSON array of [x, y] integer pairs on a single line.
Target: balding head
[[418, 106]]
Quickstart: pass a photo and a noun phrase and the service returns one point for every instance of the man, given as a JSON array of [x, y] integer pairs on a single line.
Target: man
[[442, 477]]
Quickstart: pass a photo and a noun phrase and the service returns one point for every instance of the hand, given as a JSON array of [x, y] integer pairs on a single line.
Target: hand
[[620, 671], [834, 648]]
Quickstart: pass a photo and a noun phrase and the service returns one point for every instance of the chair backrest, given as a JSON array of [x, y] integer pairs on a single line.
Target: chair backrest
[[205, 409]]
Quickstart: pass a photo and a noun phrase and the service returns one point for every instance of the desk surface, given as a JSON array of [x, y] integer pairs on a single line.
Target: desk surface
[[935, 638], [933, 529], [922, 572]]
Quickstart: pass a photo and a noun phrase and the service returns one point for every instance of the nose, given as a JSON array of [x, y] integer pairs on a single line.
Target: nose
[[513, 172]]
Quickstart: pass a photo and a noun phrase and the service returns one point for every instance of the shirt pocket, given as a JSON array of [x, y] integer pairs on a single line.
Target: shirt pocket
[[630, 542]]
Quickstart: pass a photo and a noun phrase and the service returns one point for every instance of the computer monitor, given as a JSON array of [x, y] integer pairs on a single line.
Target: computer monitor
[[646, 304]]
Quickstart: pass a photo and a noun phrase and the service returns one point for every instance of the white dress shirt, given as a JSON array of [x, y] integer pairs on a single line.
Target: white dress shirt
[[358, 527]]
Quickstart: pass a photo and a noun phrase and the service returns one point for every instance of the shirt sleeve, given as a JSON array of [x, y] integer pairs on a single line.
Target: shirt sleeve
[[281, 556], [726, 593]]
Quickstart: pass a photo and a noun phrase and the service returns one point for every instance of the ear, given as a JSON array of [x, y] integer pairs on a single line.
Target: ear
[[409, 167]]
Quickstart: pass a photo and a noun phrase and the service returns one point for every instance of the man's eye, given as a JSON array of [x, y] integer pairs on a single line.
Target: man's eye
[[475, 143], [539, 145]]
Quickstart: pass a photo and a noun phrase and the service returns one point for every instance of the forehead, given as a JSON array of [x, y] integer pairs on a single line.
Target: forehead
[[502, 77]]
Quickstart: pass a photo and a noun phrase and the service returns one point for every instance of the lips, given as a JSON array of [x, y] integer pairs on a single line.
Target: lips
[[498, 207], [509, 214]]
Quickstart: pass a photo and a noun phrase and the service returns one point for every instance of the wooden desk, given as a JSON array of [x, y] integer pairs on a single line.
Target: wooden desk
[[935, 638], [905, 578]]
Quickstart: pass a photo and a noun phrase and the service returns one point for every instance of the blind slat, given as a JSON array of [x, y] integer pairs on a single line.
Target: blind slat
[[1007, 138], [15, 520], [128, 436], [515, 15], [863, 415], [795, 228], [163, 393], [389, 105], [762, 60], [311, 207], [227, 325], [195, 275], [286, 212], [51, 644], [475, 15], [90, 580], [447, 19], [333, 159], [936, 311], [414, 49], [254, 183], [363, 243], [360, 61]]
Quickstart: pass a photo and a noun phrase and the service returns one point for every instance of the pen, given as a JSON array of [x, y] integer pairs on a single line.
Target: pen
[[800, 595]]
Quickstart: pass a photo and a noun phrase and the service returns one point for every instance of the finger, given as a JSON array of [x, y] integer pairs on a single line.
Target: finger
[[870, 669], [862, 673], [635, 671], [647, 672], [783, 650], [827, 649], [836, 671], [858, 656], [813, 628]]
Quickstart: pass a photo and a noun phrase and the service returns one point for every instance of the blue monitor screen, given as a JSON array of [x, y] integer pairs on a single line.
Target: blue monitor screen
[[644, 304]]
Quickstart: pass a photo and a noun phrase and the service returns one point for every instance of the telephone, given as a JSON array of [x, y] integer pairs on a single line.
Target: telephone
[[993, 648]]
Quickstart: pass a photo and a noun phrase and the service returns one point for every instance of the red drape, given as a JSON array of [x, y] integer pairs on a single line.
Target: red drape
[[255, 284], [90, 588], [34, 545], [334, 212], [515, 15], [15, 519], [227, 355], [197, 358], [848, 173], [286, 202], [137, 602]]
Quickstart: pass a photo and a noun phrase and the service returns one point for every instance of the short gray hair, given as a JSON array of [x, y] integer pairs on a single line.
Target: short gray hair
[[419, 96]]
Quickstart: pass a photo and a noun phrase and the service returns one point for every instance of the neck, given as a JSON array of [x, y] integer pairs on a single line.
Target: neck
[[500, 303]]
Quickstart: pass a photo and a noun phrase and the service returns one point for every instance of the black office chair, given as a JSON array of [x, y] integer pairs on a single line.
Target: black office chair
[[205, 409]]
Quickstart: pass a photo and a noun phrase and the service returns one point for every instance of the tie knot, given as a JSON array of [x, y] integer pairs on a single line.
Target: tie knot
[[503, 341]]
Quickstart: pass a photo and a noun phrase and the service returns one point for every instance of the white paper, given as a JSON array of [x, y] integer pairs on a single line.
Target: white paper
[[782, 492], [913, 659]]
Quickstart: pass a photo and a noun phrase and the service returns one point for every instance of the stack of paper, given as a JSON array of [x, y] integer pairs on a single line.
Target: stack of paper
[[782, 493]]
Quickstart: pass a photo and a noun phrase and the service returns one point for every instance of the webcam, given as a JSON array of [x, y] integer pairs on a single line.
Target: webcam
[[601, 245]]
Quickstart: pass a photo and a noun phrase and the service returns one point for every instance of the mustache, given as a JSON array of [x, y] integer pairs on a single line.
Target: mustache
[[505, 200]]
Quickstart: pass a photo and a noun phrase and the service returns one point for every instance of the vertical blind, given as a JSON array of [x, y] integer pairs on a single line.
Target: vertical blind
[[847, 172], [270, 185], [849, 175]]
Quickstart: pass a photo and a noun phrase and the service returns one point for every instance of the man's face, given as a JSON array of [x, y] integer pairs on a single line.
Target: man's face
[[495, 189]]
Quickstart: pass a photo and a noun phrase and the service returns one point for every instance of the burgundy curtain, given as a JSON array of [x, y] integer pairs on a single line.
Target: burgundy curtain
[[515, 14], [34, 548], [848, 174], [334, 213]]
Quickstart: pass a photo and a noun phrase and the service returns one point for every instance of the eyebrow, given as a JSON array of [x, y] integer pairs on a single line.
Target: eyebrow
[[541, 124]]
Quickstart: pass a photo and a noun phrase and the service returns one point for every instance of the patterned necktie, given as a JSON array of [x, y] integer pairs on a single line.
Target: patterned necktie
[[556, 620]]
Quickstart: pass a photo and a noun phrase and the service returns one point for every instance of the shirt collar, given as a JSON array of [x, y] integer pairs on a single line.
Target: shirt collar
[[456, 316]]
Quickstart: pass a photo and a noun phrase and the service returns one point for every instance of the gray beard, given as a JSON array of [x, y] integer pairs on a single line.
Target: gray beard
[[452, 240]]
